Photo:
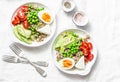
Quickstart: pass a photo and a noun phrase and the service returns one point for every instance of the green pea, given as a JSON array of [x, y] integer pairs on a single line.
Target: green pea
[[30, 22], [32, 29], [81, 39], [33, 21], [35, 17], [36, 21], [34, 14]]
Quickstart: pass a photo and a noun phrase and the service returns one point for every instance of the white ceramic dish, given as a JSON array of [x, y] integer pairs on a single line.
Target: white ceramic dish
[[88, 67], [80, 20], [71, 3], [34, 44]]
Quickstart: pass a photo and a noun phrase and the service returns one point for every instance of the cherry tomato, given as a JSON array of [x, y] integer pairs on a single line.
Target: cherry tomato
[[90, 57], [86, 59], [85, 44], [85, 51], [21, 15], [16, 21], [90, 45], [24, 8], [16, 18], [82, 48], [25, 24]]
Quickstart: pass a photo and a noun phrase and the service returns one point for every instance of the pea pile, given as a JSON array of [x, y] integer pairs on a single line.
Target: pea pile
[[33, 18], [72, 49], [32, 15]]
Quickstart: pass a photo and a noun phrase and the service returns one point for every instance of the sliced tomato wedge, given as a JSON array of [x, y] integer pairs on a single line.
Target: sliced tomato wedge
[[90, 45], [82, 48], [16, 20], [21, 15], [85, 44], [85, 50], [86, 59], [24, 8], [90, 57], [25, 24]]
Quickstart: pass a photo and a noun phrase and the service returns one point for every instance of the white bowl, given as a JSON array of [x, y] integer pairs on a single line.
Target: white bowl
[[83, 20], [89, 65], [68, 9], [34, 44]]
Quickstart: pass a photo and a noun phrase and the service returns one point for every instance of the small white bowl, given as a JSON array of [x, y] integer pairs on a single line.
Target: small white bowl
[[80, 18], [69, 3]]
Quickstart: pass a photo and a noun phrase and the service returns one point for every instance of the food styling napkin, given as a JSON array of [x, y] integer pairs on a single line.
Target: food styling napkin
[[104, 25]]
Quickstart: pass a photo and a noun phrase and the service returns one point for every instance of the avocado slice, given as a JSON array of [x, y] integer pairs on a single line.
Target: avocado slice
[[20, 37], [28, 41], [16, 33], [25, 33], [65, 39]]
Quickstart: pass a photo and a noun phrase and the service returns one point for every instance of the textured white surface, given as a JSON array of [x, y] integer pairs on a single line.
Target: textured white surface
[[104, 25]]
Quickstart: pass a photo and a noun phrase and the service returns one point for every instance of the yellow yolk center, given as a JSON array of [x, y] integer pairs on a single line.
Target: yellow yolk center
[[67, 63], [46, 17]]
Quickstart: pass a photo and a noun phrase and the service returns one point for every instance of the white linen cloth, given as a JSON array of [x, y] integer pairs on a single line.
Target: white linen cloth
[[104, 22]]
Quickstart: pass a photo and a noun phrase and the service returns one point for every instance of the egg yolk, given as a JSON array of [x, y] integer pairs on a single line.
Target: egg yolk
[[46, 17], [67, 63]]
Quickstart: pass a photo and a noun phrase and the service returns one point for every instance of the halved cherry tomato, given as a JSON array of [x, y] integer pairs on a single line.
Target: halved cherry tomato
[[85, 51], [21, 15], [86, 59], [25, 24], [16, 21], [16, 18], [24, 8], [82, 48], [90, 57], [90, 45], [85, 44]]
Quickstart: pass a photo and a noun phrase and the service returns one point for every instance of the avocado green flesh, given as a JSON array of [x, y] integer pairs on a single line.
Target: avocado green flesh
[[25, 33], [26, 40], [64, 39], [16, 34], [20, 34]]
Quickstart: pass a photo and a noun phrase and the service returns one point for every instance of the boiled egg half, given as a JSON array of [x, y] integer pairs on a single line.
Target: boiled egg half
[[67, 63], [45, 16]]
